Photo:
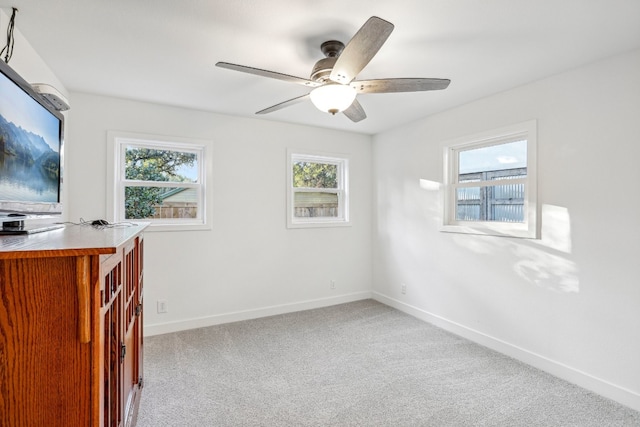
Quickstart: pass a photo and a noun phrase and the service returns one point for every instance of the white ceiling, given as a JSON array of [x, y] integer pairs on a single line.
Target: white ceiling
[[164, 51]]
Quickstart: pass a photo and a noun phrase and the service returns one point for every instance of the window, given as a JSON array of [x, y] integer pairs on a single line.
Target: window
[[490, 183], [318, 190], [159, 180]]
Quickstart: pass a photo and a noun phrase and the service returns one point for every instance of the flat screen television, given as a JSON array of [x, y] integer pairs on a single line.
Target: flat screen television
[[31, 142]]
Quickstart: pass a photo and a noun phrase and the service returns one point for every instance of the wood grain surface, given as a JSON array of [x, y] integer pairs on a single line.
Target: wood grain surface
[[72, 240], [44, 369]]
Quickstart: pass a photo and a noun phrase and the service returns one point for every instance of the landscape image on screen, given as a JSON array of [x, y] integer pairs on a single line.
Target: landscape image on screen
[[29, 147]]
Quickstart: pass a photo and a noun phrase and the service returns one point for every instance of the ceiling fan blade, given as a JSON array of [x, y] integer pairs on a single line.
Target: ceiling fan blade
[[284, 104], [267, 73], [355, 112], [399, 85], [361, 49]]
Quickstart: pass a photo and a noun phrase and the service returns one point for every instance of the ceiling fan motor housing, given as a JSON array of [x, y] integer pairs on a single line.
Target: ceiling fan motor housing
[[321, 70]]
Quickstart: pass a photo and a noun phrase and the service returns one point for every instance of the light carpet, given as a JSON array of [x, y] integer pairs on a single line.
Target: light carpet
[[355, 364]]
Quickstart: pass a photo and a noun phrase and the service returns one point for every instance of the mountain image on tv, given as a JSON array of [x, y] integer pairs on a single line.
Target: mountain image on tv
[[29, 167]]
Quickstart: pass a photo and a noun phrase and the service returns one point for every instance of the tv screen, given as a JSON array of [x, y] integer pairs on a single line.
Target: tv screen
[[31, 135]]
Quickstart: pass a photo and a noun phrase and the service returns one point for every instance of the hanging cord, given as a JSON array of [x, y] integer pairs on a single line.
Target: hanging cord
[[9, 46]]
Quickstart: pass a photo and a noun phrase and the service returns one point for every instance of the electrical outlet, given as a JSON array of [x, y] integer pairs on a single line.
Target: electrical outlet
[[403, 288], [332, 284], [162, 306]]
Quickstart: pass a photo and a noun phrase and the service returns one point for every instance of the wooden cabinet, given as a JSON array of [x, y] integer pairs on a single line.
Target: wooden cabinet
[[71, 327]]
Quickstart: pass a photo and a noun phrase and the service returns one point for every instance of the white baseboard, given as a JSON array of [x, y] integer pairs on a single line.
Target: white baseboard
[[202, 322], [604, 388]]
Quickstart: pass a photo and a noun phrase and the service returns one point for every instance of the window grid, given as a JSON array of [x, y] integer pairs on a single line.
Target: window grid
[[174, 199], [326, 204], [501, 201]]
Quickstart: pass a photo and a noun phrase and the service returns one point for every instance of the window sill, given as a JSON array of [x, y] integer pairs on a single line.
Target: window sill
[[153, 227], [319, 224], [521, 231]]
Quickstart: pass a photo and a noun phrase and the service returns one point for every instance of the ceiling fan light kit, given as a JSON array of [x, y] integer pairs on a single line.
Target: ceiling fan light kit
[[333, 97], [333, 78]]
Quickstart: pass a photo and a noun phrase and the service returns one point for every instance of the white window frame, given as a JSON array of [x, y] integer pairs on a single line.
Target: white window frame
[[528, 228], [116, 181], [342, 163]]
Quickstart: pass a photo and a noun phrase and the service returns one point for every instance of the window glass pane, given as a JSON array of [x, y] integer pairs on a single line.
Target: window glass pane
[[315, 175], [500, 161], [500, 203], [468, 193], [508, 212], [148, 164], [160, 202], [468, 212], [315, 204]]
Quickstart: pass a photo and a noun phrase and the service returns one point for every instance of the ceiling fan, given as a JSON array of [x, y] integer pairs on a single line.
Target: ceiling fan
[[333, 77]]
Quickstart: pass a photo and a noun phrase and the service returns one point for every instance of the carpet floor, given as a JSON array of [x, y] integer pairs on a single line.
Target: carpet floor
[[355, 364]]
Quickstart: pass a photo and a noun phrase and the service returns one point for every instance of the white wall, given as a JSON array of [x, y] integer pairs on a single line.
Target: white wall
[[25, 60], [249, 264], [568, 303]]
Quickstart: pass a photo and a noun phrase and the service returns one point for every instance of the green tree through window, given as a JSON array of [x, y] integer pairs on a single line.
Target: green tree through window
[[315, 175]]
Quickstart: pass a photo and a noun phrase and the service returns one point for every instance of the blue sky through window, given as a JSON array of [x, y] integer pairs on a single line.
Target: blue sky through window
[[495, 157], [189, 171]]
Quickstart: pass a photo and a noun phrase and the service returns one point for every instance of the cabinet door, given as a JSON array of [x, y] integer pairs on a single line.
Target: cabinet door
[[121, 324], [112, 343], [132, 330], [140, 321]]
